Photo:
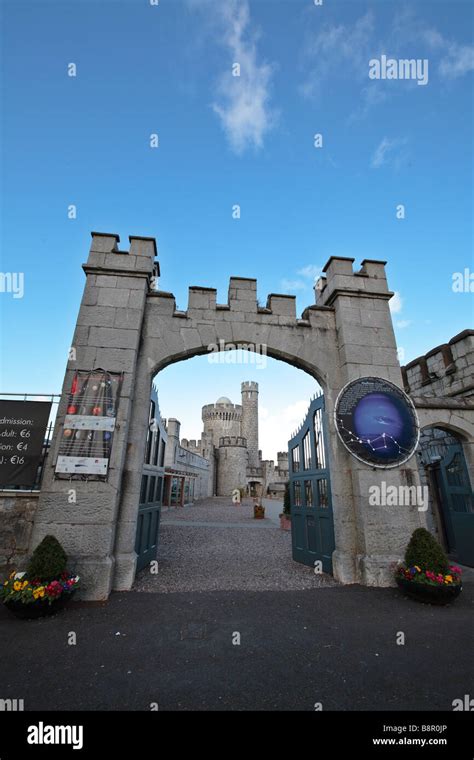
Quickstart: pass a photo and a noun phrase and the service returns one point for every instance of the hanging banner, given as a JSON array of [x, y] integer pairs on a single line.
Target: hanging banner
[[22, 439], [89, 424]]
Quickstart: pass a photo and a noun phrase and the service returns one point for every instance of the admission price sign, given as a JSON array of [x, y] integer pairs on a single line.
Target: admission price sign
[[22, 435], [89, 425], [377, 422]]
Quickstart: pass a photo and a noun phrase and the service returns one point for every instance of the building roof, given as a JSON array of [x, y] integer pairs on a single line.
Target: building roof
[[223, 400]]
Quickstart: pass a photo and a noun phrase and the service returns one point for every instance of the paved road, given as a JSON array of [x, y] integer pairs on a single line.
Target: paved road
[[225, 577], [335, 645], [215, 546]]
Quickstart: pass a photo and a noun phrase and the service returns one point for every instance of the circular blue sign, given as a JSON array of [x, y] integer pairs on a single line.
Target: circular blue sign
[[377, 422]]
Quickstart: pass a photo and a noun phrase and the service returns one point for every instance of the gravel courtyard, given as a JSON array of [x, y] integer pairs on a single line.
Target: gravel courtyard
[[215, 545]]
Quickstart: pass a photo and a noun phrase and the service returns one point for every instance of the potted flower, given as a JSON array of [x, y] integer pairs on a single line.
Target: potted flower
[[45, 587], [285, 516], [426, 574], [258, 510]]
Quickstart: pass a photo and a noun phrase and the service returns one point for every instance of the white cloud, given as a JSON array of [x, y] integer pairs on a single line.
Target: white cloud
[[335, 49], [371, 96], [276, 428], [289, 285], [242, 103], [459, 60], [311, 271], [389, 152], [345, 50], [395, 303], [402, 323]]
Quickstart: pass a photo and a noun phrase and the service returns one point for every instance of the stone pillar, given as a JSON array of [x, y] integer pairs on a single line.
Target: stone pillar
[[366, 346], [250, 420], [83, 514]]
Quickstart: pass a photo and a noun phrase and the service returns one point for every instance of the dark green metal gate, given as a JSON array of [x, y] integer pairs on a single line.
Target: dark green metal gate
[[151, 491], [148, 521], [312, 527], [457, 504]]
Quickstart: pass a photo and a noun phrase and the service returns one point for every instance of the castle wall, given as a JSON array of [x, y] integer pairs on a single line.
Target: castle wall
[[275, 476], [445, 370]]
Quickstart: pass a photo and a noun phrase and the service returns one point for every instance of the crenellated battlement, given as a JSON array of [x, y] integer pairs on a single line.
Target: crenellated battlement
[[221, 412], [106, 258], [242, 302], [339, 278], [232, 440], [445, 370]]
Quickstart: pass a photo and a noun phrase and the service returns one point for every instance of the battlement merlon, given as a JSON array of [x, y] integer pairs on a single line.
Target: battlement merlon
[[106, 258], [340, 279], [202, 303], [249, 385], [232, 440], [243, 295], [448, 359], [212, 410]]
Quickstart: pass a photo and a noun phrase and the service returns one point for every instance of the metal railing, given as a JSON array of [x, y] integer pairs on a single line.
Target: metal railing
[[54, 398]]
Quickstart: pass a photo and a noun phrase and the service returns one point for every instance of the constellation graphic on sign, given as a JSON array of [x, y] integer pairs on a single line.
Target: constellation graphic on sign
[[383, 437]]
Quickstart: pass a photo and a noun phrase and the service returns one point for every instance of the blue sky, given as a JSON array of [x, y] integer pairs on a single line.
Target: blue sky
[[166, 69]]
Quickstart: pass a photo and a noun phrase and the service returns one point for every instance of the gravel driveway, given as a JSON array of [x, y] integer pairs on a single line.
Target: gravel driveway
[[215, 545]]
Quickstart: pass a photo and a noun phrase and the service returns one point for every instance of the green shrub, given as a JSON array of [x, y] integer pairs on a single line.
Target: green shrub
[[48, 560], [286, 500], [423, 550]]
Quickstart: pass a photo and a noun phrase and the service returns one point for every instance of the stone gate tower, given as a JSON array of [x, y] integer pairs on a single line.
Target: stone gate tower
[[250, 420], [125, 325]]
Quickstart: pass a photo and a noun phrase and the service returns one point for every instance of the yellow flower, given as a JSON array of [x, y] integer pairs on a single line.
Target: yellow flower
[[449, 578], [17, 586], [418, 568], [24, 584]]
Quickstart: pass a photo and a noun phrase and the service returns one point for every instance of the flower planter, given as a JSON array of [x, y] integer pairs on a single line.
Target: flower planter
[[423, 592], [39, 608], [258, 512], [285, 522]]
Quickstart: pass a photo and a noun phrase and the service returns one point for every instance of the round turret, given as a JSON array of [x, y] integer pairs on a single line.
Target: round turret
[[222, 418], [232, 465]]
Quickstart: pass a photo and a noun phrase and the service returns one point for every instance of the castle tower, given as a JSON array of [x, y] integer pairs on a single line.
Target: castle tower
[[233, 460], [282, 459], [173, 428], [221, 419], [250, 420]]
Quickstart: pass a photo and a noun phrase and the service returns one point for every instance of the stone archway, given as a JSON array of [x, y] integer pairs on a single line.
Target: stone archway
[[126, 325], [447, 428]]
